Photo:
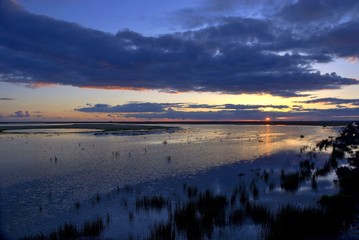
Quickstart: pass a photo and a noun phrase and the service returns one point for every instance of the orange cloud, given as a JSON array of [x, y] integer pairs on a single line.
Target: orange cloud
[[43, 84], [352, 59], [115, 88]]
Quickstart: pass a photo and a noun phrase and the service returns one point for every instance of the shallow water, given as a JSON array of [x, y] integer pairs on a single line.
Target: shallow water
[[53, 130], [52, 171]]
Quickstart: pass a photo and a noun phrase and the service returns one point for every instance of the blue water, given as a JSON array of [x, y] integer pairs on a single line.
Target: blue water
[[43, 175]]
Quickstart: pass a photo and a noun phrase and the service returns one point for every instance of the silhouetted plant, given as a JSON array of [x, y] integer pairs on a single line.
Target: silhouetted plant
[[324, 144], [296, 223], [191, 191], [326, 169], [342, 202], [348, 178], [258, 213], [147, 203], [243, 197], [233, 198], [305, 169], [265, 176], [163, 231], [290, 182], [314, 183], [93, 228], [338, 153], [70, 231], [198, 218], [236, 217], [255, 192]]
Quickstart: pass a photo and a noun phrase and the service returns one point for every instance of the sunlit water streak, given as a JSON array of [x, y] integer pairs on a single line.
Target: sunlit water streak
[[52, 171]]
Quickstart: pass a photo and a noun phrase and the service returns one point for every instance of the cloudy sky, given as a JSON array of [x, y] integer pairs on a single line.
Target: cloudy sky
[[142, 60]]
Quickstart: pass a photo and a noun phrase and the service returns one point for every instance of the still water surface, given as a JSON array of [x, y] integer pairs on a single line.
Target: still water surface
[[52, 171]]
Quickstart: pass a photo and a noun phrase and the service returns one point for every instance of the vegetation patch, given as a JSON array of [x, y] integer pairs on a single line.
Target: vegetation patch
[[292, 222], [71, 231], [290, 182], [148, 203]]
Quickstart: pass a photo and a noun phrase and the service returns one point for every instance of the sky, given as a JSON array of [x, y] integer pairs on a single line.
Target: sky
[[160, 60]]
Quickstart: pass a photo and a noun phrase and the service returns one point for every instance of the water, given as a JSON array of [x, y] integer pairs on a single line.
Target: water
[[43, 175], [53, 130]]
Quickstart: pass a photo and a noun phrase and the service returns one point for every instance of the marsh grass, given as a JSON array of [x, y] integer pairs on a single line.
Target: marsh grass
[[163, 231], [314, 183], [291, 222], [191, 191], [255, 192], [265, 176], [197, 218], [70, 231], [258, 213], [236, 217], [348, 178], [93, 228], [290, 182], [148, 203], [341, 202]]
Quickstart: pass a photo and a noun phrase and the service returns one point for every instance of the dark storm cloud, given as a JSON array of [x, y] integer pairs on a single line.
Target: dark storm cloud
[[342, 40], [21, 114], [236, 55], [332, 101], [309, 11]]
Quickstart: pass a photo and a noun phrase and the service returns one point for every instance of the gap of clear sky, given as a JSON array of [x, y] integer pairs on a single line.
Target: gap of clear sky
[[139, 60]]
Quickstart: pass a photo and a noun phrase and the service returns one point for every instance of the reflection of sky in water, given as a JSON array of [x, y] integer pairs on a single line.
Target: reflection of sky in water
[[55, 170], [33, 124], [53, 130]]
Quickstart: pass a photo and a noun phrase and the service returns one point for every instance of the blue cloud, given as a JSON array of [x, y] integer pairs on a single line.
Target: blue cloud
[[21, 114], [225, 115], [129, 107], [147, 107], [237, 55], [332, 101], [187, 111]]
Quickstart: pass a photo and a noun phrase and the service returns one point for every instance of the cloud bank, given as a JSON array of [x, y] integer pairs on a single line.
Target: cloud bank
[[331, 101], [225, 112], [262, 50]]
